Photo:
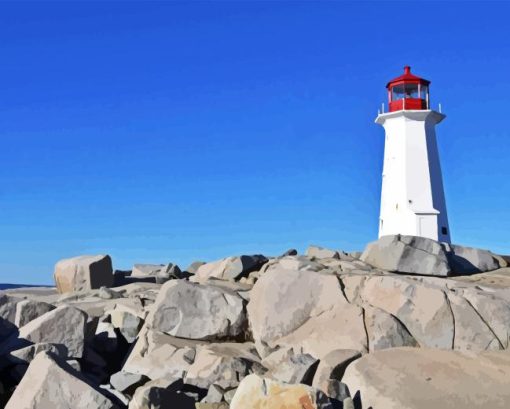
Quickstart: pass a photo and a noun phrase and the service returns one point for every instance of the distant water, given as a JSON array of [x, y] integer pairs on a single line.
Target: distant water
[[11, 286]]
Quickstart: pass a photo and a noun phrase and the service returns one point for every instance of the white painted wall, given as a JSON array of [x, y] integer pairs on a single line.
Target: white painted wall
[[412, 197]]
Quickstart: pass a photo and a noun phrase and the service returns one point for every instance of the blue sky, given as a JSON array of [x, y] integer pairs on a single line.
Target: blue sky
[[177, 131]]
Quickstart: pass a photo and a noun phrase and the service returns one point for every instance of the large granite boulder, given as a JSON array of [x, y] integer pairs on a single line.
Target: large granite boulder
[[408, 254], [304, 309], [83, 273], [230, 268], [468, 260], [27, 310], [7, 315], [52, 384], [188, 310], [418, 378], [321, 252], [255, 392], [64, 325]]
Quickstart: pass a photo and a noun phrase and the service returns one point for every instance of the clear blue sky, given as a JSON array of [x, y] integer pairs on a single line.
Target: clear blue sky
[[170, 131]]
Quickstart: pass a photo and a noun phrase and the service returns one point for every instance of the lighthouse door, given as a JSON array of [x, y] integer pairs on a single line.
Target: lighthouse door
[[427, 226]]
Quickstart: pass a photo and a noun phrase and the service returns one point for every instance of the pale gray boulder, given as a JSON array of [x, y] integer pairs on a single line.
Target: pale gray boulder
[[52, 384], [193, 267], [297, 263], [27, 310], [223, 365], [146, 270], [64, 325], [421, 378], [230, 268], [290, 366], [127, 382], [408, 254], [333, 366], [188, 310], [468, 260], [7, 315], [127, 322], [321, 252], [27, 354], [306, 310], [83, 273]]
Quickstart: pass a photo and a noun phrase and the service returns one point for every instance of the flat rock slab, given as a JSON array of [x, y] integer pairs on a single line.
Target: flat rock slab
[[417, 378], [50, 384]]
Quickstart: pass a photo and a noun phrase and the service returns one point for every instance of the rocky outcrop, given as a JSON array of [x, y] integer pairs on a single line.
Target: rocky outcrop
[[306, 310], [195, 311], [408, 254], [83, 273], [420, 378], [230, 269], [50, 383], [27, 310]]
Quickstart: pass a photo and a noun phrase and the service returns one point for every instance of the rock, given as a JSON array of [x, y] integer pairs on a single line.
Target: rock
[[169, 272], [27, 354], [207, 405], [305, 310], [105, 339], [255, 392], [83, 273], [193, 267], [296, 263], [471, 332], [417, 378], [337, 390], [146, 270], [108, 294], [332, 366], [7, 315], [128, 323], [289, 366], [408, 254], [194, 311], [27, 310], [214, 394], [223, 365], [321, 252], [421, 307], [230, 269], [348, 403], [290, 252], [52, 384], [161, 394], [158, 355], [127, 382], [468, 260], [385, 331], [63, 325]]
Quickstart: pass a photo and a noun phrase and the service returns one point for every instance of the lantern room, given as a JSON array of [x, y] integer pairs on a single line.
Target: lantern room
[[408, 92]]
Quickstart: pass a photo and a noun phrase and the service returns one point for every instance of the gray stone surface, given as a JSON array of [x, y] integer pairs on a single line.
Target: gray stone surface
[[26, 355], [127, 382], [467, 260], [63, 325], [27, 310], [230, 268], [50, 384], [333, 366], [321, 252], [408, 254], [195, 311], [83, 273], [290, 366]]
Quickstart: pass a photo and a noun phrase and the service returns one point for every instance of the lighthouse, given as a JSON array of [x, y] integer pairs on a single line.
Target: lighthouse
[[412, 195]]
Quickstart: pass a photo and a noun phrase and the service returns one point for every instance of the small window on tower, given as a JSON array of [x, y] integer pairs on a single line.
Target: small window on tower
[[444, 230]]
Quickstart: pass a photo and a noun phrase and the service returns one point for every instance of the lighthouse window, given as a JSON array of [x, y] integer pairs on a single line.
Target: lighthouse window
[[423, 92], [444, 230], [397, 92], [411, 91]]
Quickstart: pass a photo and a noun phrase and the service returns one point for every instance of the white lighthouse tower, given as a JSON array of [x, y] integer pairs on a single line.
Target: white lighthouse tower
[[412, 197]]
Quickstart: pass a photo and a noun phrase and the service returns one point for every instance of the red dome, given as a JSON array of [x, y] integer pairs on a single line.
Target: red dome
[[408, 92]]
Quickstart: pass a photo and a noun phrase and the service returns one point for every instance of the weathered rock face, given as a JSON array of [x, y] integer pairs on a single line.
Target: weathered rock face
[[255, 392], [146, 270], [304, 309], [194, 311], [321, 252], [333, 366], [26, 355], [63, 325], [408, 254], [468, 260], [83, 273], [417, 378], [7, 314], [231, 268], [290, 366], [27, 310], [49, 384]]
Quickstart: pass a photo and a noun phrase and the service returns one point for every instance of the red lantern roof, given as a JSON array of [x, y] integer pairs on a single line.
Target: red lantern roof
[[407, 77]]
